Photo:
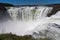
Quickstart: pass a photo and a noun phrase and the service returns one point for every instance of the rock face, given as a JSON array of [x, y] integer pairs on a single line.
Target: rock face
[[3, 10], [56, 7]]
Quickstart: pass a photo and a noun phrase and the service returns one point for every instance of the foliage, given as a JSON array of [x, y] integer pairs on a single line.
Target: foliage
[[44, 39], [15, 37]]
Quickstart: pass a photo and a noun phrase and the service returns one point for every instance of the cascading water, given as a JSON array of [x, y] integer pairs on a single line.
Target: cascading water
[[27, 20], [24, 19], [29, 13]]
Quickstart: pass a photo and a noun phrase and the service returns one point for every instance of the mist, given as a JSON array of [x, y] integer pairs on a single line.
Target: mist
[[20, 20]]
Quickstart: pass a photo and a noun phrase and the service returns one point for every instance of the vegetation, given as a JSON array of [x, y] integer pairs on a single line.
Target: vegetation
[[44, 39], [6, 5], [15, 37]]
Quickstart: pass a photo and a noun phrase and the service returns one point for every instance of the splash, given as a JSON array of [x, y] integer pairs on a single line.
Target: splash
[[24, 19]]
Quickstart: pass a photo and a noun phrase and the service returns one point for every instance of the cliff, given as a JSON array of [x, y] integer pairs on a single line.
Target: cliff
[[56, 7]]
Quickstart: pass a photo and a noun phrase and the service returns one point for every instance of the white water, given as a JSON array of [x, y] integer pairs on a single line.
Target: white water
[[26, 21], [23, 21], [49, 24]]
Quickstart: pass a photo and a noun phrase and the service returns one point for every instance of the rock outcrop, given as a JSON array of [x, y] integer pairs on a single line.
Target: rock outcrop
[[56, 7]]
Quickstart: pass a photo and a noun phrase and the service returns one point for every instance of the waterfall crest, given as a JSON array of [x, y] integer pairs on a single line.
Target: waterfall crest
[[29, 13]]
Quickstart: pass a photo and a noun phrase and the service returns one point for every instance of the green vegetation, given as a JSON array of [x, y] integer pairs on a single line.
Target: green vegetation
[[6, 5], [15, 37], [44, 39]]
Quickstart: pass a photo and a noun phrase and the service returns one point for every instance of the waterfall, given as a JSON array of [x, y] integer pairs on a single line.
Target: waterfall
[[31, 20], [25, 18], [29, 13], [42, 12]]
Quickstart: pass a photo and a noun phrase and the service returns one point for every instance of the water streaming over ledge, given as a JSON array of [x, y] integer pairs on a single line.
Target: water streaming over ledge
[[23, 19], [28, 13]]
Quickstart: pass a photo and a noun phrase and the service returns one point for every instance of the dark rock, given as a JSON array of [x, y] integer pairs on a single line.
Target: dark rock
[[56, 7], [5, 5]]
